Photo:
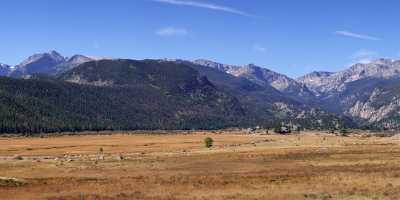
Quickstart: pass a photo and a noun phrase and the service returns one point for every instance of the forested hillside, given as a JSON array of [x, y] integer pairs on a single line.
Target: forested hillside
[[148, 94], [48, 105]]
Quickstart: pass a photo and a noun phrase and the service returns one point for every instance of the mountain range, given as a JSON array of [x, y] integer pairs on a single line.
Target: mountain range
[[368, 93], [48, 92], [264, 77], [50, 63]]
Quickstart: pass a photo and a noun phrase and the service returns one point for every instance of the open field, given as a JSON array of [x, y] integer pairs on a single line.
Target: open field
[[178, 166]]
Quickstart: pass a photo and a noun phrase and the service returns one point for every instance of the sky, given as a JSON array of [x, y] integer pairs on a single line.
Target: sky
[[287, 36]]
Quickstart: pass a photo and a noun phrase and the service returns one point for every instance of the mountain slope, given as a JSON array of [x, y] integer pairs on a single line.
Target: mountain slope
[[42, 63], [263, 77], [148, 94], [50, 63], [267, 105], [195, 96], [144, 95], [4, 69], [368, 93], [336, 82], [315, 80], [71, 63], [373, 102]]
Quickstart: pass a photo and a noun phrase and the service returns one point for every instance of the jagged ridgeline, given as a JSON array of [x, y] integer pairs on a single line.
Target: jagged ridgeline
[[149, 94], [367, 93]]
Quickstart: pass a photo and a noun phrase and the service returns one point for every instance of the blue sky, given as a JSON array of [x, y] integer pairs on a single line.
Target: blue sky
[[290, 37]]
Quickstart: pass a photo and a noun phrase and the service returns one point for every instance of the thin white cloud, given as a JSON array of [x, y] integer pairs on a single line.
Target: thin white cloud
[[259, 48], [364, 56], [206, 6], [171, 31], [356, 35]]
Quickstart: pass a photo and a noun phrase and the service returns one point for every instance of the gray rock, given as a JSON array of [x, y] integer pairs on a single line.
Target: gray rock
[[262, 76], [328, 82]]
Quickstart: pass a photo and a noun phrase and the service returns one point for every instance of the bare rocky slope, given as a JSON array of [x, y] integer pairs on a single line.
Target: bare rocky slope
[[368, 93], [50, 63], [327, 82], [4, 69], [263, 77]]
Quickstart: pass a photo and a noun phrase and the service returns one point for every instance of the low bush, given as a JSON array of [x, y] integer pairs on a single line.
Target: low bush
[[208, 142]]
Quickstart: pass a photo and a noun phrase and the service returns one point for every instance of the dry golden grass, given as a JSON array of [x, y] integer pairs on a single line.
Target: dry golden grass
[[178, 166]]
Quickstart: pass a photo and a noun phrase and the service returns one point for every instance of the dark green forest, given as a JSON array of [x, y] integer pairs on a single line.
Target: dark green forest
[[149, 94]]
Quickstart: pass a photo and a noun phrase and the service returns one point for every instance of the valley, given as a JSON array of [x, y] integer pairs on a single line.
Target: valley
[[199, 100], [176, 165]]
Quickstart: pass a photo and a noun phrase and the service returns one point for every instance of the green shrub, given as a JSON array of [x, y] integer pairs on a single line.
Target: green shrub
[[278, 129], [208, 142]]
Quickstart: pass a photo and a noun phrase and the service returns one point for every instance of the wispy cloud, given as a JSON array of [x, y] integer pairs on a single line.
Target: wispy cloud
[[259, 48], [364, 56], [206, 6], [171, 31], [356, 35]]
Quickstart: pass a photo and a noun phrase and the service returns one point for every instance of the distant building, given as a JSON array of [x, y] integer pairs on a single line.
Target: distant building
[[285, 130]]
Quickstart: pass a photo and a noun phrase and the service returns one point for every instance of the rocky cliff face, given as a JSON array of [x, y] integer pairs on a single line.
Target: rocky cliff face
[[369, 92], [368, 111], [371, 101], [315, 80]]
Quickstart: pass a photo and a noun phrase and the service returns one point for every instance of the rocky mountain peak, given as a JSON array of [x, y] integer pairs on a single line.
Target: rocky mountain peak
[[5, 69], [79, 59], [54, 53], [207, 63], [49, 63], [314, 79], [381, 68], [52, 56], [251, 65], [261, 76], [4, 66], [40, 63], [334, 82], [231, 69], [383, 61]]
